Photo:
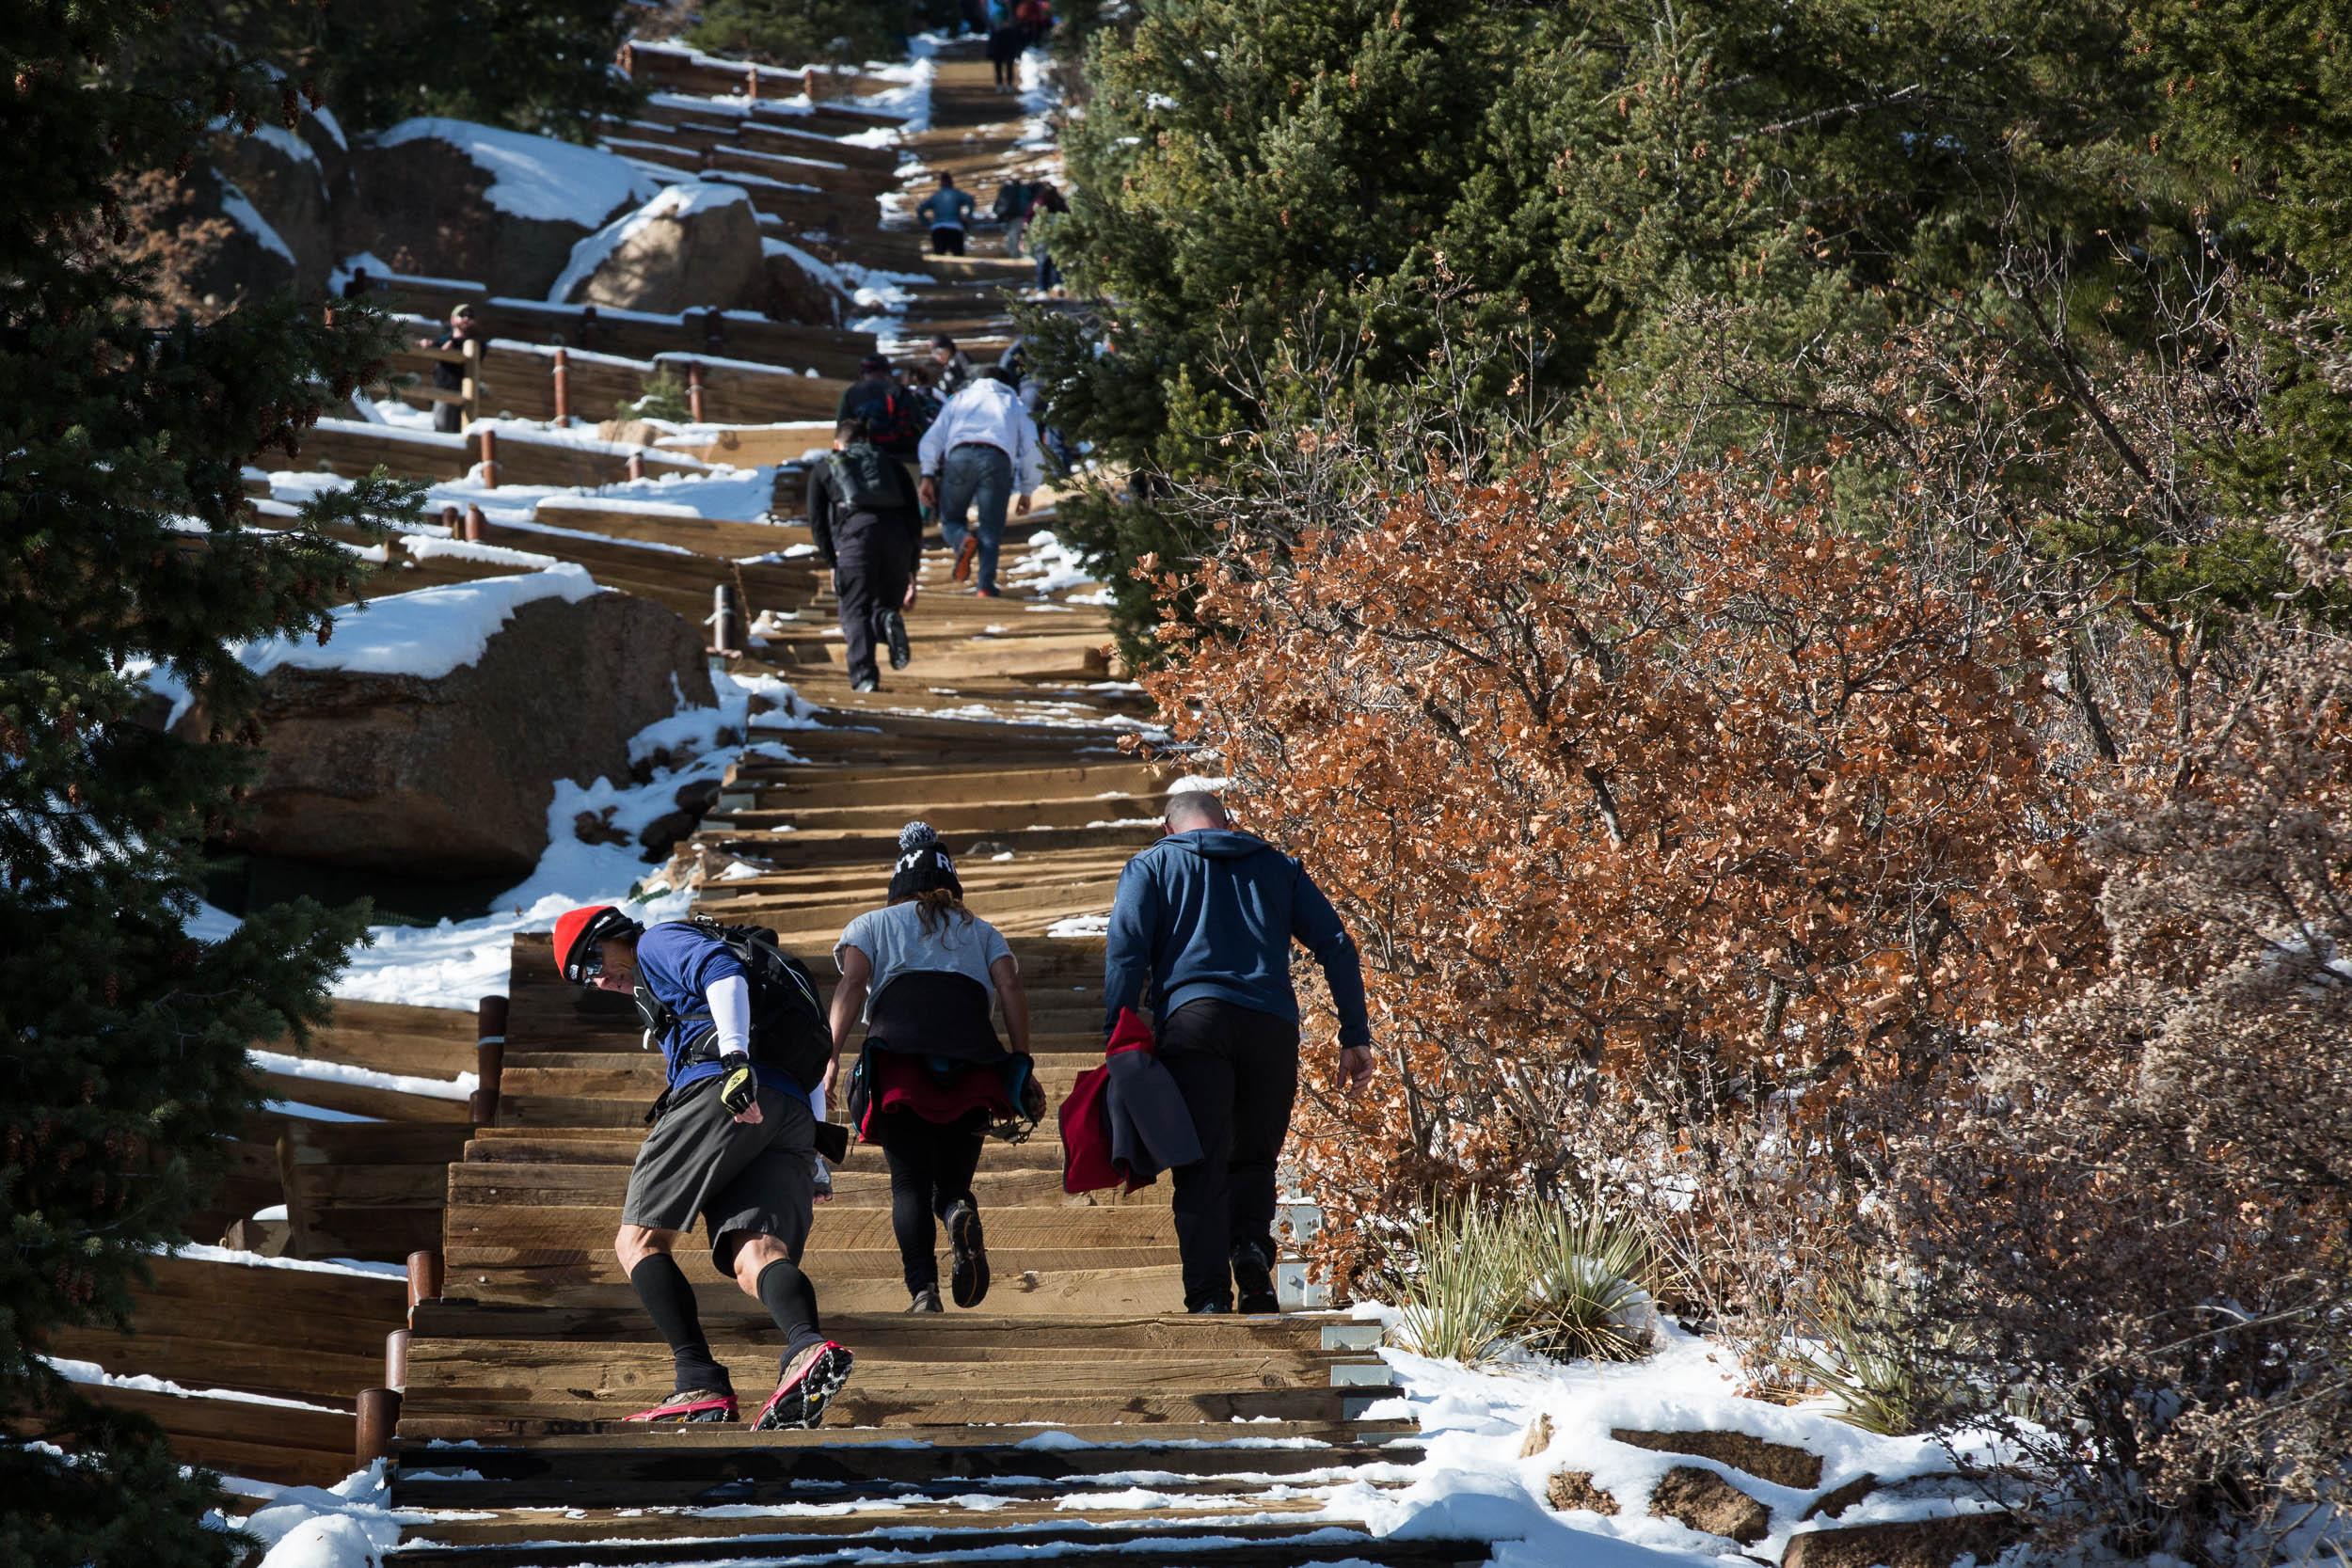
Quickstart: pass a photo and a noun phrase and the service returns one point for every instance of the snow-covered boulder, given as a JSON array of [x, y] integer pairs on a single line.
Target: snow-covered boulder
[[695, 245], [211, 248], [805, 288], [450, 198], [288, 185], [427, 734]]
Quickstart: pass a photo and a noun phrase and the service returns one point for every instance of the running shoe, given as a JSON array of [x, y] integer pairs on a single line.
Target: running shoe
[[966, 553], [811, 1379], [968, 1282], [690, 1405]]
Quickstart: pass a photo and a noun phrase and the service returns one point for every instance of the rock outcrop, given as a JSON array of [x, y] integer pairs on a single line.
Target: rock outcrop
[[695, 245], [1782, 1463], [1911, 1543], [452, 775], [450, 198], [1706, 1502]]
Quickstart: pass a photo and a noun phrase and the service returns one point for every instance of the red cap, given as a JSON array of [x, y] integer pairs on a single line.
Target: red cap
[[576, 931]]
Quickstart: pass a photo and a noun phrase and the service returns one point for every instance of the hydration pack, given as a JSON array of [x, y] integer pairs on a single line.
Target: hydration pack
[[862, 478], [788, 1029]]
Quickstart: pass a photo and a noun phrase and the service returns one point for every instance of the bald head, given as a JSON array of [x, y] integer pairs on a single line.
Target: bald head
[[1195, 808]]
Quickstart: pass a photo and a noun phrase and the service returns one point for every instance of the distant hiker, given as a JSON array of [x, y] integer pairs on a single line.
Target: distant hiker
[[449, 417], [359, 285], [1005, 44], [952, 366], [735, 1140], [1035, 18], [869, 527], [983, 448], [1011, 212], [925, 973], [1047, 200], [1201, 928], [947, 209], [891, 417]]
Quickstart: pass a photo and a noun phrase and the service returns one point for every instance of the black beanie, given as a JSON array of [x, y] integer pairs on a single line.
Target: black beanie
[[922, 863]]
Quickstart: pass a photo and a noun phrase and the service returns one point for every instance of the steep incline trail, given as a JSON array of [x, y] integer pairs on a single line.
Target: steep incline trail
[[1076, 1417]]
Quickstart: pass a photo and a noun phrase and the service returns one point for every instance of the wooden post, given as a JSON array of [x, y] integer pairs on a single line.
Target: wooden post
[[587, 326], [489, 1066], [471, 388], [725, 621], [474, 524], [563, 389], [489, 459], [751, 83], [290, 1182], [424, 1280], [637, 464], [451, 521], [695, 391], [628, 60], [714, 329], [396, 1360], [379, 1415]]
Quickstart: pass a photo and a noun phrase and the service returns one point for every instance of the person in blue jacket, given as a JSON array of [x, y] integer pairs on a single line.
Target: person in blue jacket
[[734, 1142], [1200, 933]]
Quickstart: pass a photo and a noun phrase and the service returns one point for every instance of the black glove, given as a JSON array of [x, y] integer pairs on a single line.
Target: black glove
[[739, 1085]]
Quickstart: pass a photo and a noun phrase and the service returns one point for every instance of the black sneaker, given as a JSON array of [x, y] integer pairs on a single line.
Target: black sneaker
[[968, 1282], [1253, 1280], [894, 633], [866, 683]]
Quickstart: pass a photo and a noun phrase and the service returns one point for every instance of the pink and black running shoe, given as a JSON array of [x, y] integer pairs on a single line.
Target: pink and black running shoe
[[692, 1404], [810, 1381]]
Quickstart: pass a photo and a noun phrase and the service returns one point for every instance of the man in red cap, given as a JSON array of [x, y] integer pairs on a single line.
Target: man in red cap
[[734, 1140]]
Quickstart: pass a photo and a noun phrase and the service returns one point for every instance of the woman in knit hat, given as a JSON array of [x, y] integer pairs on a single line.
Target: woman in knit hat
[[924, 974]]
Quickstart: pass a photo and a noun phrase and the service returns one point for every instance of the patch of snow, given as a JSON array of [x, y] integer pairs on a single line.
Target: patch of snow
[[534, 176], [1049, 565], [248, 218], [320, 1071], [427, 633], [1080, 926], [90, 1374], [680, 201]]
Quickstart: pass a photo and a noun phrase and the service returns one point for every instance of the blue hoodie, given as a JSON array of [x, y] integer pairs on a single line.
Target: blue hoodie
[[1212, 913]]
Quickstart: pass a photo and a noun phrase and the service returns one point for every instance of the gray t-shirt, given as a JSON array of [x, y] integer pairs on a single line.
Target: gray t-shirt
[[895, 942]]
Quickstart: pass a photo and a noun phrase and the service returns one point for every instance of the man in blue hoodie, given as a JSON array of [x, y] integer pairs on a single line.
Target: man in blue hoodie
[[1201, 933]]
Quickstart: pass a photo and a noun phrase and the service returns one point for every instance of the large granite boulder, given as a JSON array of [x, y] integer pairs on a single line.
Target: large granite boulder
[[450, 198], [803, 288], [451, 771], [291, 179], [210, 247], [693, 246]]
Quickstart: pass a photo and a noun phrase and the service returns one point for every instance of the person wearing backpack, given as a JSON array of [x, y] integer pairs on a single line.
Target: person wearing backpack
[[735, 1140], [925, 973], [867, 524], [1011, 211], [887, 411]]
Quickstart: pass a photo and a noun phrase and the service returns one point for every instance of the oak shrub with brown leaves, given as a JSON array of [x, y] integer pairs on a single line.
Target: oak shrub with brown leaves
[[1773, 882]]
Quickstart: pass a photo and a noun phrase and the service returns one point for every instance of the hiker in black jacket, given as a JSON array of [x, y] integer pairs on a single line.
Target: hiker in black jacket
[[868, 523]]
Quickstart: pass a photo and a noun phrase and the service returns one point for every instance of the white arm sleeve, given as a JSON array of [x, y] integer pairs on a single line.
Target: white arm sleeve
[[731, 1010], [816, 1101]]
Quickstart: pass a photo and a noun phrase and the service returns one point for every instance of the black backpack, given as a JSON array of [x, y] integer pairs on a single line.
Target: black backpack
[[862, 479], [788, 1028], [891, 418]]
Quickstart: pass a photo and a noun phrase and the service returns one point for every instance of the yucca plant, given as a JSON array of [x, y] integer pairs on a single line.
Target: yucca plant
[[1560, 1282], [1875, 1359], [1586, 1296]]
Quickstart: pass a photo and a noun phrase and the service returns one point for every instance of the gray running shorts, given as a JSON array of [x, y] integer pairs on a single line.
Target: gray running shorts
[[740, 1179]]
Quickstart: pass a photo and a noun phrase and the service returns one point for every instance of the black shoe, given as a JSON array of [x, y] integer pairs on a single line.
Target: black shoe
[[866, 683], [1253, 1280], [926, 1300], [968, 1282], [894, 633], [1206, 1308]]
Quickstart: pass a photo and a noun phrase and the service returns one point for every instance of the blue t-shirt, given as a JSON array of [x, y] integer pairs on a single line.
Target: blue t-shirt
[[679, 962]]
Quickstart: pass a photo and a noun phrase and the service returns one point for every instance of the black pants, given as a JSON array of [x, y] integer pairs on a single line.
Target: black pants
[[1005, 46], [1238, 1071], [875, 552], [946, 240], [931, 1172]]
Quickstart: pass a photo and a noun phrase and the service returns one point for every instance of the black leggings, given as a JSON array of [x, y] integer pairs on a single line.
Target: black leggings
[[931, 1172]]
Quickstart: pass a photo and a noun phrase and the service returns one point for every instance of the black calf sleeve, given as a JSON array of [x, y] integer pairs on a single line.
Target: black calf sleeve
[[792, 1300], [669, 1301]]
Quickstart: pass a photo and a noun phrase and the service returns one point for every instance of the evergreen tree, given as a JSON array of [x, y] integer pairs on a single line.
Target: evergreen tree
[[544, 66], [123, 547]]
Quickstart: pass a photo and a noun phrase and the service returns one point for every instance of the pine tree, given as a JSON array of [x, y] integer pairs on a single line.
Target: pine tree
[[123, 547]]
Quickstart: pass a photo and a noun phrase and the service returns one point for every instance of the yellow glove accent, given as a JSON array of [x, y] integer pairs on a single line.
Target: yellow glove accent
[[738, 1089]]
